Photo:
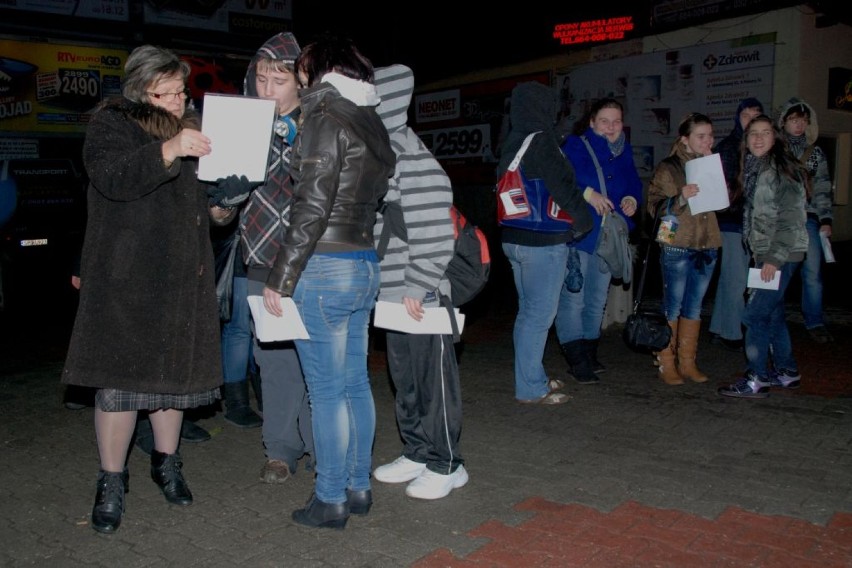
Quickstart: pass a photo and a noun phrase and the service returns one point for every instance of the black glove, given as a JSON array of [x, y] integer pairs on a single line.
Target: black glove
[[231, 191]]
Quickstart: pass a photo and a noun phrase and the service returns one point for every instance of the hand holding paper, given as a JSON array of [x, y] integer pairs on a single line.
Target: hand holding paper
[[755, 280], [706, 172], [268, 327]]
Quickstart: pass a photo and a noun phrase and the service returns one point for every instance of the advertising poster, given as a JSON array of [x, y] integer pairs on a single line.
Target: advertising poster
[[53, 88], [462, 127], [659, 89], [115, 10], [264, 17]]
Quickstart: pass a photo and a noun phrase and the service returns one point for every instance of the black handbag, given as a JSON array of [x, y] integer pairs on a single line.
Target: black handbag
[[646, 330]]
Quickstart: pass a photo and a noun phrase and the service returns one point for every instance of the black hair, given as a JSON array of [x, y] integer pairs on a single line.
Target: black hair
[[332, 53]]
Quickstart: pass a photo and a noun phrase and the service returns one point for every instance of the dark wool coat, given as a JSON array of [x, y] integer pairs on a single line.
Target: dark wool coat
[[147, 320]]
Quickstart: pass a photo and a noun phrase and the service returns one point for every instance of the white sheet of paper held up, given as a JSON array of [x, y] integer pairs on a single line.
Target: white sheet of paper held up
[[706, 172], [240, 131], [267, 327]]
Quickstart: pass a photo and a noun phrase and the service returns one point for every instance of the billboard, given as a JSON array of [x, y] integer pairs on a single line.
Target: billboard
[[53, 88]]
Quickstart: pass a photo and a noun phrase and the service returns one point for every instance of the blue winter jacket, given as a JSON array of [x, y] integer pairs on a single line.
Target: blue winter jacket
[[619, 174]]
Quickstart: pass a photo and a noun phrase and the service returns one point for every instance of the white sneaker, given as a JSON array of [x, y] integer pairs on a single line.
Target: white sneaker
[[431, 485], [399, 470]]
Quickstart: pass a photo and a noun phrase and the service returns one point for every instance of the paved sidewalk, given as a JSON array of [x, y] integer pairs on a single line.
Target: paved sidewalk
[[630, 472]]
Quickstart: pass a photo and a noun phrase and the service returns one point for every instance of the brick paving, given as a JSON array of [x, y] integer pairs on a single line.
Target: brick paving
[[629, 473]]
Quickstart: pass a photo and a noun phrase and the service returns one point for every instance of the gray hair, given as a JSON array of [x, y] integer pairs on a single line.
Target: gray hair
[[148, 64]]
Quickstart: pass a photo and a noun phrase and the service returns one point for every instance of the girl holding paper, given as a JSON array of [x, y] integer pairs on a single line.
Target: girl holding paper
[[689, 246], [774, 226]]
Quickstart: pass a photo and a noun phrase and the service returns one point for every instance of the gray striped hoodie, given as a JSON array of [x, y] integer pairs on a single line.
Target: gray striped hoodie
[[423, 190]]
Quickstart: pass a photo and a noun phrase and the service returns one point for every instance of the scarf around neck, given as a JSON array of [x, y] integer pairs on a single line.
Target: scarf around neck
[[616, 147], [359, 92], [798, 144]]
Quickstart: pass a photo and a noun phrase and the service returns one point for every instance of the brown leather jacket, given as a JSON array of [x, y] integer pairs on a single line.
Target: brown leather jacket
[[341, 163]]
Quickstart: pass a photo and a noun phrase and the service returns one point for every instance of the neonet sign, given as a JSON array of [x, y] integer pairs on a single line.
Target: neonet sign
[[610, 29]]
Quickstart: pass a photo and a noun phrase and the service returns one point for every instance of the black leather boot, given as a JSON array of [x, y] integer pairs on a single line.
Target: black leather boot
[[109, 501], [166, 473], [318, 514], [579, 364], [592, 351], [237, 409], [359, 501], [256, 386]]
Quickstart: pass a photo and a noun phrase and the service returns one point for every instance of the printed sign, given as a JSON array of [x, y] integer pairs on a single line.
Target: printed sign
[[53, 88]]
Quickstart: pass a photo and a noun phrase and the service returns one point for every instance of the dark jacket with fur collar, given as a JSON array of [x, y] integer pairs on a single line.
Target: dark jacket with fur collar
[[147, 320]]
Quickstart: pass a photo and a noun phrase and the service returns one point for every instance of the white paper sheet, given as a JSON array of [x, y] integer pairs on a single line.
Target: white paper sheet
[[827, 252], [392, 315], [240, 130], [754, 280], [267, 327], [706, 172]]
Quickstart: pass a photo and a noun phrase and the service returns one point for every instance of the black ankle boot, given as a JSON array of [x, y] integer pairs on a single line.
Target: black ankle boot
[[109, 501], [579, 364], [257, 387], [237, 409], [318, 514], [592, 350], [166, 473], [359, 501]]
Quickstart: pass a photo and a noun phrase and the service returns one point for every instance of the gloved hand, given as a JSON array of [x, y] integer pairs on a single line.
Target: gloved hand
[[231, 191]]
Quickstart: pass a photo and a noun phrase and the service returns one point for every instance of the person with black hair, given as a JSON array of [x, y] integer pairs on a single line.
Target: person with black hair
[[328, 265]]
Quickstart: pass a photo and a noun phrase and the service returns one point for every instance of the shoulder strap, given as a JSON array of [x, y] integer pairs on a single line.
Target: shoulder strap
[[597, 164], [521, 151], [638, 299]]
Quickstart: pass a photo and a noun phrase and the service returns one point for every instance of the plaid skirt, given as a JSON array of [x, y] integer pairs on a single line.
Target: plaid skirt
[[114, 400]]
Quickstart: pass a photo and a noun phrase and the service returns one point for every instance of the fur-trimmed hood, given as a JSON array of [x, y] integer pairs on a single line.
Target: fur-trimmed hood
[[812, 130], [154, 120]]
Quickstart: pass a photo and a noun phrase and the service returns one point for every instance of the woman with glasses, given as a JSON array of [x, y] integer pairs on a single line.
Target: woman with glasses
[[146, 334], [689, 245]]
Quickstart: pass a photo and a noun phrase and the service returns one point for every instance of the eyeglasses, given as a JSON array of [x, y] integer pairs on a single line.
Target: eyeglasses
[[180, 95]]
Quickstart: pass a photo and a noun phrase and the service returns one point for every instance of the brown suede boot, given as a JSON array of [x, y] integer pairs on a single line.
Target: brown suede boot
[[666, 360], [687, 348]]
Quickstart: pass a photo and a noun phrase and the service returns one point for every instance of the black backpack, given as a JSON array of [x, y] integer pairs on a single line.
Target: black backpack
[[470, 265]]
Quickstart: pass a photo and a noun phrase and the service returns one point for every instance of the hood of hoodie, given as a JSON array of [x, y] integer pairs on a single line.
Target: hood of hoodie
[[282, 46], [750, 102], [532, 108], [395, 86], [812, 130]]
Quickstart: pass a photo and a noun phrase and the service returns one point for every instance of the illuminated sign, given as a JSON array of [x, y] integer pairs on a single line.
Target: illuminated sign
[[610, 29]]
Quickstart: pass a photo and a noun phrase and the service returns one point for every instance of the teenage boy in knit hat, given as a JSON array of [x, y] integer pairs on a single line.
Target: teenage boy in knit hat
[[287, 432], [797, 121], [423, 368]]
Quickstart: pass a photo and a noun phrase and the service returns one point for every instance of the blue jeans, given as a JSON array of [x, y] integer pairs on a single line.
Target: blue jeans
[[766, 327], [686, 277], [335, 297], [812, 278], [236, 336], [539, 274], [580, 314], [729, 304]]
